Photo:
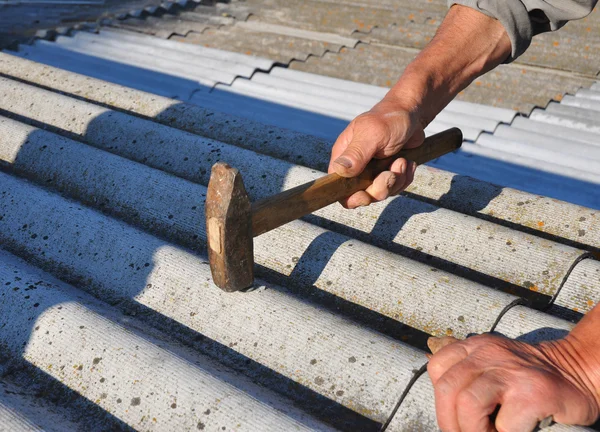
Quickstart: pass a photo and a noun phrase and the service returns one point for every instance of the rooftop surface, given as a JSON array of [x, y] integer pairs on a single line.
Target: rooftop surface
[[109, 318]]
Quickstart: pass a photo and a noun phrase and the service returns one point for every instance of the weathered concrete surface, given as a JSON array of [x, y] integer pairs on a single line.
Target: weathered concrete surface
[[501, 205], [418, 228], [306, 344], [281, 44], [510, 86], [85, 344]]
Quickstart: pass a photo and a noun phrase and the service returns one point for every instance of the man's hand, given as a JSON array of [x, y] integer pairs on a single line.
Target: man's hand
[[529, 382], [379, 133], [467, 44]]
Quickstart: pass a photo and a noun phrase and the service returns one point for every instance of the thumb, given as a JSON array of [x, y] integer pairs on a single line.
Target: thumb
[[368, 136]]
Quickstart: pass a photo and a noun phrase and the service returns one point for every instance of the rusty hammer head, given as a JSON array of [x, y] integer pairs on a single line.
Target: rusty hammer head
[[229, 229]]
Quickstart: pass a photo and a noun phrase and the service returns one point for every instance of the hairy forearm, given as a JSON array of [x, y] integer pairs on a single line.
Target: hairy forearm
[[467, 45]]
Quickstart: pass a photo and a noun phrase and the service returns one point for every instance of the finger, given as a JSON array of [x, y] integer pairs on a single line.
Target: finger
[[436, 344], [449, 386], [445, 358], [386, 184], [475, 404], [519, 415], [538, 398], [359, 199], [410, 175], [401, 167], [382, 186]]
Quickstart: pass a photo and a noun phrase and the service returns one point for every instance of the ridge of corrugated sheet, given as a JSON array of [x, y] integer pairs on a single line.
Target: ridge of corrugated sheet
[[178, 286], [469, 196]]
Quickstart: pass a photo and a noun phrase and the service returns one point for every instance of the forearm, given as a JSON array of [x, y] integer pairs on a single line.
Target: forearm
[[467, 45]]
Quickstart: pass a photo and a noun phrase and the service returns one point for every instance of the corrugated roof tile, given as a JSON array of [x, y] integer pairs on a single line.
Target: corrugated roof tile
[[344, 300]]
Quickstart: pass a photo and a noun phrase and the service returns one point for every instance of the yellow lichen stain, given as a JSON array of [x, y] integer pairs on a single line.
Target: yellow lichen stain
[[388, 83], [449, 332], [540, 224], [555, 43], [534, 288], [590, 303], [575, 309]]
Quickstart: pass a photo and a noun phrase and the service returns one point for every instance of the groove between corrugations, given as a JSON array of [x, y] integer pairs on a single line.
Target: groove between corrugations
[[171, 146], [442, 188], [565, 279], [580, 294], [410, 385]]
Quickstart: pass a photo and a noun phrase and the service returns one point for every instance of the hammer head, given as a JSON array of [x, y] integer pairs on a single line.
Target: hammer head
[[229, 229]]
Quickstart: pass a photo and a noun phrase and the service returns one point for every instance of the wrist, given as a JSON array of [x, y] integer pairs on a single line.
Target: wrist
[[579, 361]]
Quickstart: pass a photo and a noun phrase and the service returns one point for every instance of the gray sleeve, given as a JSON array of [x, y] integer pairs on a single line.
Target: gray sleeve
[[524, 19]]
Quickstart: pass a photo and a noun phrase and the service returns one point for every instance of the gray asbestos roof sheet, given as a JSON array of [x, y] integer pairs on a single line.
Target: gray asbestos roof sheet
[[106, 288]]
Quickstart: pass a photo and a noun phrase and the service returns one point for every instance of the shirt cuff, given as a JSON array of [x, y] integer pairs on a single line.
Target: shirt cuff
[[513, 16]]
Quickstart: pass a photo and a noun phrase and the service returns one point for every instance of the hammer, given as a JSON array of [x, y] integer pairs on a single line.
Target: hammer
[[232, 222]]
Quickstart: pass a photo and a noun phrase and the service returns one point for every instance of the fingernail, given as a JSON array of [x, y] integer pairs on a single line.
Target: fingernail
[[344, 161]]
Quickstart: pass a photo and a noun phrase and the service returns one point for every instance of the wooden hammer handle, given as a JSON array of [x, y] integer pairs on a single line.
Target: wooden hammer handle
[[275, 211]]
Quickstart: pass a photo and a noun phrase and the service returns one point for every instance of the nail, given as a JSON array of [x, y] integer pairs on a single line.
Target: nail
[[344, 161]]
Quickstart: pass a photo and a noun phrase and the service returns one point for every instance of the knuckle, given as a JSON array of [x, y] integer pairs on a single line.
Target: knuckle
[[444, 387], [373, 124], [467, 398]]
